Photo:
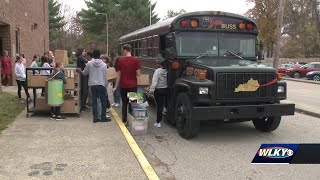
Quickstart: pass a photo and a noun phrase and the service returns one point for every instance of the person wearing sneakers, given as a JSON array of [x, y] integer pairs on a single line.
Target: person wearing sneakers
[[57, 74], [128, 70], [160, 88], [97, 70], [20, 73]]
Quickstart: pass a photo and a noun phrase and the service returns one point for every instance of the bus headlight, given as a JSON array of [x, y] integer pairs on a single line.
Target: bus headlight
[[203, 90], [280, 89]]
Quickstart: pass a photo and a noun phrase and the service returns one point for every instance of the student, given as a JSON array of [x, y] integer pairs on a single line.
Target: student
[[89, 57], [106, 59], [128, 70], [34, 64], [6, 65], [24, 60], [81, 63], [57, 74], [44, 64], [96, 69], [116, 93], [20, 73], [51, 59], [160, 88]]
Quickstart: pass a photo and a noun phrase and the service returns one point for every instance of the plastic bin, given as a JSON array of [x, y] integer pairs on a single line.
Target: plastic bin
[[139, 112], [138, 125]]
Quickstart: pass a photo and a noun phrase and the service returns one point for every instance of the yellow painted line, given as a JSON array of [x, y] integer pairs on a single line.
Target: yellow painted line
[[148, 170]]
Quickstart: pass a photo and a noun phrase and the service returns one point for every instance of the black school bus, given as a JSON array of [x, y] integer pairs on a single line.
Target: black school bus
[[213, 70]]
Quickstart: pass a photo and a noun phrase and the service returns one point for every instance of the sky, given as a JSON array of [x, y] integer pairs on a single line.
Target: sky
[[233, 6]]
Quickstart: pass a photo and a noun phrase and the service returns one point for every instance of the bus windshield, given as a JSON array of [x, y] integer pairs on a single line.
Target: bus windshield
[[225, 61], [215, 44]]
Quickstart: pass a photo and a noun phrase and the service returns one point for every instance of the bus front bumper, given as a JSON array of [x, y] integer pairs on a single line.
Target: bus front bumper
[[242, 111]]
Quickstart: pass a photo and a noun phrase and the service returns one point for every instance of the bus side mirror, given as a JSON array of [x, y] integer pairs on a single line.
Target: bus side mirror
[[260, 55], [170, 40], [170, 50]]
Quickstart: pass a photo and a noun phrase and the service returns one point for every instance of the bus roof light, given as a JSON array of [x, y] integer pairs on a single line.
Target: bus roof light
[[194, 23], [184, 23], [249, 26], [242, 26]]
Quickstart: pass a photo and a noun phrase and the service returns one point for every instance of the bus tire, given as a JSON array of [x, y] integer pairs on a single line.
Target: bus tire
[[267, 124], [187, 128]]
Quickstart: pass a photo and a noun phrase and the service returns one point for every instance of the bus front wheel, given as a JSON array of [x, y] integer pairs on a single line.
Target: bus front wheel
[[187, 128]]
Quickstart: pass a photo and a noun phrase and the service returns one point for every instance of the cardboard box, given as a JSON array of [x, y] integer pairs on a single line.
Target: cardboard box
[[111, 73], [70, 84], [61, 56], [143, 80], [69, 105], [37, 80], [41, 105]]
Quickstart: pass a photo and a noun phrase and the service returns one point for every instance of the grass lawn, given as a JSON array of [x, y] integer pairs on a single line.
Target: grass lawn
[[9, 109]]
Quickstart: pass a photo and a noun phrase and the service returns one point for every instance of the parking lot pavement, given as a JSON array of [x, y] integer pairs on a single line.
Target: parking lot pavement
[[306, 96], [40, 148], [225, 151]]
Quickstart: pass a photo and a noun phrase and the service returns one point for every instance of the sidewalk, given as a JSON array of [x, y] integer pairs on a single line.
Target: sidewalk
[[72, 149]]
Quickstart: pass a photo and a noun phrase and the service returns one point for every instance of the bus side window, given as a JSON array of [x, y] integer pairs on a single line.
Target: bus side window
[[162, 43], [136, 48], [156, 45], [150, 46]]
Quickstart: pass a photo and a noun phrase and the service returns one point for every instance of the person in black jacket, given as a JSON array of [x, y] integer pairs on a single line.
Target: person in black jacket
[[81, 63], [58, 74]]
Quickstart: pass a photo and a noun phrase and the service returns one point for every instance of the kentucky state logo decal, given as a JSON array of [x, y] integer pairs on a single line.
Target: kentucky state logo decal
[[250, 86]]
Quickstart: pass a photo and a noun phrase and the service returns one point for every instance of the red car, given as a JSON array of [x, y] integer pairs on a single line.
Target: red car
[[299, 72], [282, 68]]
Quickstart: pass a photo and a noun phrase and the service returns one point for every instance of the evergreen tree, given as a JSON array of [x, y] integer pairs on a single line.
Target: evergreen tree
[[124, 16], [55, 20]]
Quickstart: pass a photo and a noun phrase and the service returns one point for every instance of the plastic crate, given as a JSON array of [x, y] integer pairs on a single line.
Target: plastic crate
[[138, 125], [139, 112]]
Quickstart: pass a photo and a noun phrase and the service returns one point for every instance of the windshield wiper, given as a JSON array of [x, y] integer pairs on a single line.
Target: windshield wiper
[[204, 55], [234, 54]]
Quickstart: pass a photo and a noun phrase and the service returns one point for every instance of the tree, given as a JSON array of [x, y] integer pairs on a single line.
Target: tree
[[172, 13], [123, 17], [56, 21], [300, 33], [278, 33], [264, 14]]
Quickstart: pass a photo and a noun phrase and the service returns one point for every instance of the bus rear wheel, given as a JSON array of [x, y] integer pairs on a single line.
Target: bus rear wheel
[[187, 128], [267, 124]]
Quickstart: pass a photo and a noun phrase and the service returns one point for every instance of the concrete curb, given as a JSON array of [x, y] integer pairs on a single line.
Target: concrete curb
[[300, 109], [310, 113], [302, 80]]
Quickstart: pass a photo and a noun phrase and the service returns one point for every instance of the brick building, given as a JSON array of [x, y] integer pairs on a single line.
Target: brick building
[[24, 27]]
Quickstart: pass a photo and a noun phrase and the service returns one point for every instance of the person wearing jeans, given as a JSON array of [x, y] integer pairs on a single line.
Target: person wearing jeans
[[96, 69], [99, 93], [116, 97], [128, 70], [20, 73]]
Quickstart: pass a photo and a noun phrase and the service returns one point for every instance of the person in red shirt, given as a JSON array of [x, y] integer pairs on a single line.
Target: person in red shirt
[[128, 70], [6, 68]]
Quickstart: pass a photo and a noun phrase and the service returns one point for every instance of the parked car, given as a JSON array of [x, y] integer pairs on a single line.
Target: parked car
[[298, 72], [282, 68], [314, 75], [298, 63]]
